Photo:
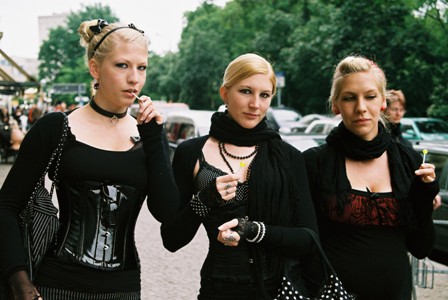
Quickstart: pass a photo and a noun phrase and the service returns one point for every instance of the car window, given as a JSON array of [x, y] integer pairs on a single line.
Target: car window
[[318, 128], [443, 181], [432, 126], [408, 131]]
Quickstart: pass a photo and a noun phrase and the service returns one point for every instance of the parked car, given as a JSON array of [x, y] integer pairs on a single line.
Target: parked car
[[424, 129], [283, 119], [186, 124], [322, 126], [305, 121], [301, 142], [438, 155]]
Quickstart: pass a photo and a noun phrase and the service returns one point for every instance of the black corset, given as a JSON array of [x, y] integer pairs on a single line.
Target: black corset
[[97, 224]]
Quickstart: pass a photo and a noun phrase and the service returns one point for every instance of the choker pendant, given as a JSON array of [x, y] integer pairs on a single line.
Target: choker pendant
[[114, 118]]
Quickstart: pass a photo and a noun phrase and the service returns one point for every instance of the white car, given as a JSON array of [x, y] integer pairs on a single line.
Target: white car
[[185, 124], [322, 126]]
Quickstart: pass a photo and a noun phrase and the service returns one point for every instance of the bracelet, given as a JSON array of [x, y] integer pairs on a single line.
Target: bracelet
[[263, 232], [258, 233], [198, 207]]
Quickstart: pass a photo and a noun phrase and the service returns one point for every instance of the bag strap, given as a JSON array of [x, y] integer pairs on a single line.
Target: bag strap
[[55, 158], [325, 261]]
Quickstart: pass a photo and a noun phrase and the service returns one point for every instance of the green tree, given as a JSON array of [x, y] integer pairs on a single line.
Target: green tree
[[61, 57]]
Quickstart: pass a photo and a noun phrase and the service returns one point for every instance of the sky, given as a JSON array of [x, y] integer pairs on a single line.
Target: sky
[[162, 20]]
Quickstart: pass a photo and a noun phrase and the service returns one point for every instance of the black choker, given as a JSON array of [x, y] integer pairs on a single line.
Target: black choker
[[113, 117]]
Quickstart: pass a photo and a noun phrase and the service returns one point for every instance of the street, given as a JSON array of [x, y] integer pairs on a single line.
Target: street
[[175, 276]]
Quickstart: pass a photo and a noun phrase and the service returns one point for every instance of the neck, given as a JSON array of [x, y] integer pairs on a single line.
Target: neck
[[113, 116]]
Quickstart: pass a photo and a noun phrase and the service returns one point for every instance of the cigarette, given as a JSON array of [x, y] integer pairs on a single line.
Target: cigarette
[[135, 95], [425, 151]]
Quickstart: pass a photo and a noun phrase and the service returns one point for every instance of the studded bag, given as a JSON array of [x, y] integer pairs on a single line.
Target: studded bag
[[292, 287]]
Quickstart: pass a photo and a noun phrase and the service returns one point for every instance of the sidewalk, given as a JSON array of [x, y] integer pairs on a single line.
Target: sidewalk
[[175, 276]]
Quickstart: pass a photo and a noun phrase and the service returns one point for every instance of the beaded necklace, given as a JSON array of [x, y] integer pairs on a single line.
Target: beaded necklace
[[223, 152]]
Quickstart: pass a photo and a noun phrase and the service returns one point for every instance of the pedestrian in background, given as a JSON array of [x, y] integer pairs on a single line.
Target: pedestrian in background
[[247, 187], [110, 164], [373, 196], [395, 110]]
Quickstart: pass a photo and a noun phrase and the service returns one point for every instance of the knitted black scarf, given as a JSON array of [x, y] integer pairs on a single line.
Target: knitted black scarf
[[344, 143], [271, 197]]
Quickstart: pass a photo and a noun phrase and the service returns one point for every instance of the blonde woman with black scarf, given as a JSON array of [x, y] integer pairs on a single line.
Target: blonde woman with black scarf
[[373, 196], [248, 189]]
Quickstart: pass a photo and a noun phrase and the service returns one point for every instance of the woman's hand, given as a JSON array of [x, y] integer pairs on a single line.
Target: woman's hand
[[147, 111], [226, 186], [22, 287], [227, 236], [437, 202], [231, 233], [426, 172]]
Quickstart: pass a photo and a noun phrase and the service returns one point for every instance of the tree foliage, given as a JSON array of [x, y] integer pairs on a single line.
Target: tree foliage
[[61, 56], [302, 38]]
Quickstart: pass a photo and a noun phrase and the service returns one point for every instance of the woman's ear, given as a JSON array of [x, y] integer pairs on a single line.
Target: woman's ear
[[335, 109], [94, 69], [223, 93]]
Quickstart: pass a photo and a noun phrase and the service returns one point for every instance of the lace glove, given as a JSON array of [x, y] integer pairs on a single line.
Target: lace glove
[[206, 199], [252, 231]]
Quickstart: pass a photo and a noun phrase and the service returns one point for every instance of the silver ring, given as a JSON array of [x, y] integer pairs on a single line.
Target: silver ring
[[230, 238], [228, 186], [227, 192]]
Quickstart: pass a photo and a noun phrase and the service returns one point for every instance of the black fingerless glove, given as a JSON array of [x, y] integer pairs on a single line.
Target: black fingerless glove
[[251, 231], [206, 199], [209, 195]]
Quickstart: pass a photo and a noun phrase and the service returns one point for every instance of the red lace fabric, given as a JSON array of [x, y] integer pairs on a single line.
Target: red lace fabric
[[366, 208]]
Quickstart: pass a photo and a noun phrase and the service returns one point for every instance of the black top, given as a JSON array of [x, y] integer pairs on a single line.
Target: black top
[[367, 243], [145, 166], [292, 241]]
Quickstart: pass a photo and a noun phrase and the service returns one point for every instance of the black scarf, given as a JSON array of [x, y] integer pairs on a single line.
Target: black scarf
[[344, 143], [271, 190]]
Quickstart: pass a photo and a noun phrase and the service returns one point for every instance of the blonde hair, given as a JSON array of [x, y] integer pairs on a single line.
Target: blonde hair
[[90, 39], [245, 66], [355, 64]]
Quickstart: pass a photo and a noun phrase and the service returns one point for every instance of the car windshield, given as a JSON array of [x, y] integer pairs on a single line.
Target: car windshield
[[432, 126]]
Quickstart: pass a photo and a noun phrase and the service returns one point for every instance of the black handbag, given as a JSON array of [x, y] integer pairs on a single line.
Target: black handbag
[[292, 287], [39, 221]]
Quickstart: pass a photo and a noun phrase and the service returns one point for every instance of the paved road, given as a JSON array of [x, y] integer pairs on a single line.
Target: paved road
[[175, 276]]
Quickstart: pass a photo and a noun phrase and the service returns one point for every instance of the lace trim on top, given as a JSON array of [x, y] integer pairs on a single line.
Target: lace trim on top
[[207, 172], [367, 208]]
